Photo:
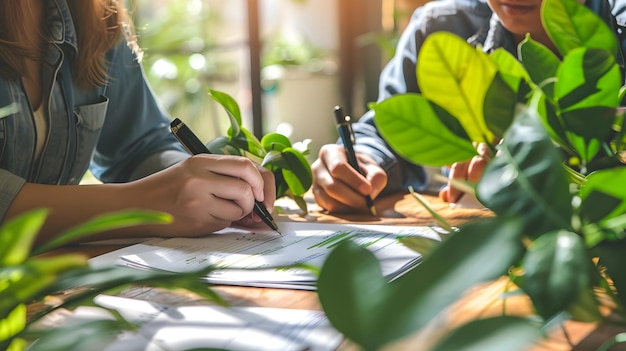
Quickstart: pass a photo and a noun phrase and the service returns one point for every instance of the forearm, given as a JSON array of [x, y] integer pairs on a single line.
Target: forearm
[[70, 205]]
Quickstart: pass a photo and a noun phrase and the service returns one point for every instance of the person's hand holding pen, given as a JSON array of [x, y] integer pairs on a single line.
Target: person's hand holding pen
[[259, 212], [338, 186]]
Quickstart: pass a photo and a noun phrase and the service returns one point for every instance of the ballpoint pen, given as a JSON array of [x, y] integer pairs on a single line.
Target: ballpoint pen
[[194, 146], [345, 132]]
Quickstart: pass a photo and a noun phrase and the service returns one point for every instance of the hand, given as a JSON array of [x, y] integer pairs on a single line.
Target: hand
[[205, 193], [470, 171], [338, 187]]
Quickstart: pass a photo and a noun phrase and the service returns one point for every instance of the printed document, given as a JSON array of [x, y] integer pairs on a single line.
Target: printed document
[[178, 328], [255, 257]]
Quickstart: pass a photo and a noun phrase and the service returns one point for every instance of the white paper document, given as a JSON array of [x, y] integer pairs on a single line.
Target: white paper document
[[252, 258], [177, 328]]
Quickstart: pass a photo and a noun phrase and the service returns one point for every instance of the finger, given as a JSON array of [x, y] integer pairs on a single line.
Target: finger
[[331, 204], [476, 167], [237, 167], [269, 188], [334, 161], [377, 178], [457, 171]]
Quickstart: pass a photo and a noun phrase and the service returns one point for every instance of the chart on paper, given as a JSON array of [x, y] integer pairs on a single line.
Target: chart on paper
[[255, 255]]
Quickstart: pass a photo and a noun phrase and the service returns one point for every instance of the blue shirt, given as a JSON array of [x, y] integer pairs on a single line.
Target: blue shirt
[[117, 131]]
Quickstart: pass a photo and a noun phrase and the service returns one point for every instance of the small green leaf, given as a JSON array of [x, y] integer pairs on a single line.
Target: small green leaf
[[500, 103], [420, 244], [297, 174], [275, 141], [232, 109]]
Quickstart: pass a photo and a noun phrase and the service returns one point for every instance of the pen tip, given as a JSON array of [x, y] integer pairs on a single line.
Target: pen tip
[[373, 210]]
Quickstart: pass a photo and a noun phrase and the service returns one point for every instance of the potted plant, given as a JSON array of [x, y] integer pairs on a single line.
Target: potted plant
[[555, 186], [274, 151]]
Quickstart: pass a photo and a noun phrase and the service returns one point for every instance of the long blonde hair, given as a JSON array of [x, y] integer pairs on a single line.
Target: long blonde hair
[[100, 25]]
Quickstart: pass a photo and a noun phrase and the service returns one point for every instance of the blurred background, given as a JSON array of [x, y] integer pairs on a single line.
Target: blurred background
[[286, 62]]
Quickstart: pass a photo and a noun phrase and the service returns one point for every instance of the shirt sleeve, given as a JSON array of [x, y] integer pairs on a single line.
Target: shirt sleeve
[[135, 140]]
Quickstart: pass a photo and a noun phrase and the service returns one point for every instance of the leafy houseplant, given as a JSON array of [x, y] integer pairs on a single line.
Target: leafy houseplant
[[274, 151], [555, 185]]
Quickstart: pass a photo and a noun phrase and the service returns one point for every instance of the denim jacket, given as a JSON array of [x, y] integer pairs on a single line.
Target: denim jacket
[[470, 19], [117, 130]]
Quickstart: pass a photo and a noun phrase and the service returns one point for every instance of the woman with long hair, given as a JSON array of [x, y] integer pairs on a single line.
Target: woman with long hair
[[75, 97]]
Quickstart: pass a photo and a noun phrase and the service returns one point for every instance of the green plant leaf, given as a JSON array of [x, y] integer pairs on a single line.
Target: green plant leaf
[[102, 223], [588, 129], [541, 64], [422, 139], [297, 174], [352, 292], [420, 244], [103, 279], [557, 268], [360, 304], [526, 178], [89, 335], [571, 25], [610, 182], [232, 109], [454, 74], [17, 236], [492, 334], [275, 141], [12, 324]]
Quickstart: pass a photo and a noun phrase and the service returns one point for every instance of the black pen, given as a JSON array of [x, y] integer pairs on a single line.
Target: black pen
[[345, 132], [194, 146]]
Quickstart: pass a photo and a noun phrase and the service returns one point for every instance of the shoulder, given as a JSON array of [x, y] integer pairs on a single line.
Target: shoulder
[[458, 16]]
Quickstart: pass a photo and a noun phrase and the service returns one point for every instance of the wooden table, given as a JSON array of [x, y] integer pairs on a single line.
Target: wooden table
[[481, 301]]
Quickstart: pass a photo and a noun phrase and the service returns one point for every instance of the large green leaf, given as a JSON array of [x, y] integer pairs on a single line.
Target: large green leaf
[[17, 236], [610, 182], [409, 123], [556, 268], [454, 74], [588, 129], [492, 334], [372, 313], [526, 179], [571, 25], [102, 223]]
